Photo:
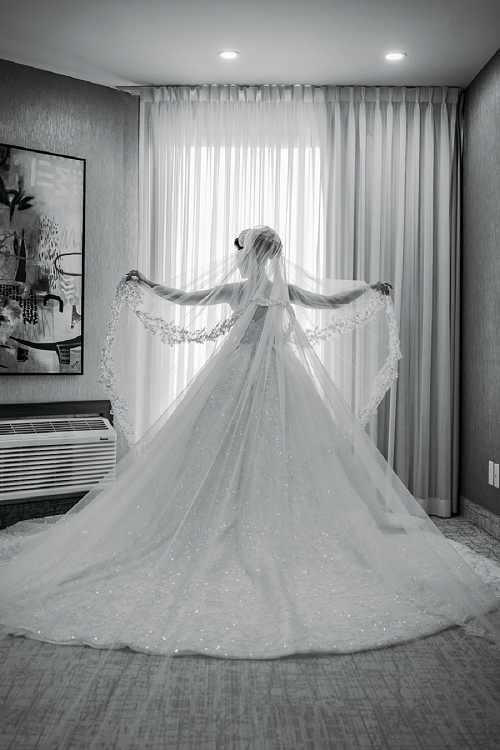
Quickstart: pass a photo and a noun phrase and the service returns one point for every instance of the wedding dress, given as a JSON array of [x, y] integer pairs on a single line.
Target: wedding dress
[[257, 519]]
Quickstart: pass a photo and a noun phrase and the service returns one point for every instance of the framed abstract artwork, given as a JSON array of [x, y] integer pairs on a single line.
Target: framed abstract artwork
[[42, 229]]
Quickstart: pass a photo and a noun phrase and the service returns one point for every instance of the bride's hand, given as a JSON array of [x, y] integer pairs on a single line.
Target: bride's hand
[[136, 275], [381, 286]]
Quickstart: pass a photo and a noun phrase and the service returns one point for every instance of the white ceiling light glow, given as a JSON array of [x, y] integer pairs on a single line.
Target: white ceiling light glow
[[395, 56], [228, 54]]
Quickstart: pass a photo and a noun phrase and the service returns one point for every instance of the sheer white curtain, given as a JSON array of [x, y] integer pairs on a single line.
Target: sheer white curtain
[[360, 183]]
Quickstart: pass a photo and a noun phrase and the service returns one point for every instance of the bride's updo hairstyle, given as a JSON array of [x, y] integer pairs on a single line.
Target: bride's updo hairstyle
[[262, 243]]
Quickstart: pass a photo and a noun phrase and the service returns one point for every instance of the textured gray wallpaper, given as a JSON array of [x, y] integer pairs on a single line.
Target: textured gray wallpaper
[[55, 113], [480, 358]]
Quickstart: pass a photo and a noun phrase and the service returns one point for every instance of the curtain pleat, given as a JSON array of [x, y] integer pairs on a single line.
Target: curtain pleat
[[360, 182]]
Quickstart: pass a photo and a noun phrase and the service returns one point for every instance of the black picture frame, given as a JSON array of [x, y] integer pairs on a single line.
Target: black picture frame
[[42, 256]]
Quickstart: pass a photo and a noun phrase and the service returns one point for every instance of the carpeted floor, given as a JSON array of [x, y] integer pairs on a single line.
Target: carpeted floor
[[438, 693]]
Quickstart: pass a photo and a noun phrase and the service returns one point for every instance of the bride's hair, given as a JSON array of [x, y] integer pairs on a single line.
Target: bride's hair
[[261, 241]]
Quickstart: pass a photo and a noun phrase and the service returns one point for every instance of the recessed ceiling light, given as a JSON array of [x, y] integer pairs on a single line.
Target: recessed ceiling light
[[228, 54], [395, 55]]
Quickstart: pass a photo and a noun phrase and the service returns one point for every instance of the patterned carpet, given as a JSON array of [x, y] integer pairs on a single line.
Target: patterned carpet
[[442, 692], [460, 530]]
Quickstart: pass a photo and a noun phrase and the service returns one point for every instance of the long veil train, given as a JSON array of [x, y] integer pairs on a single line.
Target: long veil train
[[256, 518]]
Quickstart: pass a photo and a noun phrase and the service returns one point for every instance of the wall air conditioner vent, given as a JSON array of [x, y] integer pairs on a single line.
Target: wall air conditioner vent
[[60, 456], [38, 426]]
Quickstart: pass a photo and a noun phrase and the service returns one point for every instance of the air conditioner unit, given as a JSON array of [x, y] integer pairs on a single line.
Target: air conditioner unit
[[59, 456]]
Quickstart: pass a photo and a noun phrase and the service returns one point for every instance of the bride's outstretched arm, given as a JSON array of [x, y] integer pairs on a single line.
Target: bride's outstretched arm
[[302, 297], [215, 296]]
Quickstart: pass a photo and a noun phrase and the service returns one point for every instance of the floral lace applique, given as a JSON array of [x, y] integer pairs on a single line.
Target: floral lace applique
[[127, 293], [342, 325], [389, 372], [172, 334]]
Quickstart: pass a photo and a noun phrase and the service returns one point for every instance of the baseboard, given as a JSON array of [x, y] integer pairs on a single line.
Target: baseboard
[[480, 517]]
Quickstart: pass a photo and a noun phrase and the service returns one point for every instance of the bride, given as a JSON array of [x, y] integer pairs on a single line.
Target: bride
[[258, 520]]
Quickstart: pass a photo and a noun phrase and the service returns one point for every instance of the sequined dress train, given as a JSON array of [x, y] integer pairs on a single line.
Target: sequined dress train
[[250, 533]]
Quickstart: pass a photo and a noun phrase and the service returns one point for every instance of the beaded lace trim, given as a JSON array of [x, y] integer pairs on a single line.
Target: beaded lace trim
[[342, 325], [128, 293], [172, 334], [389, 372]]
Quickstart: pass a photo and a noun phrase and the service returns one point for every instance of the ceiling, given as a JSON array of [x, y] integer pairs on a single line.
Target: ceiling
[[134, 42]]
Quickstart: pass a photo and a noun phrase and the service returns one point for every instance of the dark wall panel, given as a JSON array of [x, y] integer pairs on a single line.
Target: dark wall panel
[[480, 359], [55, 113]]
